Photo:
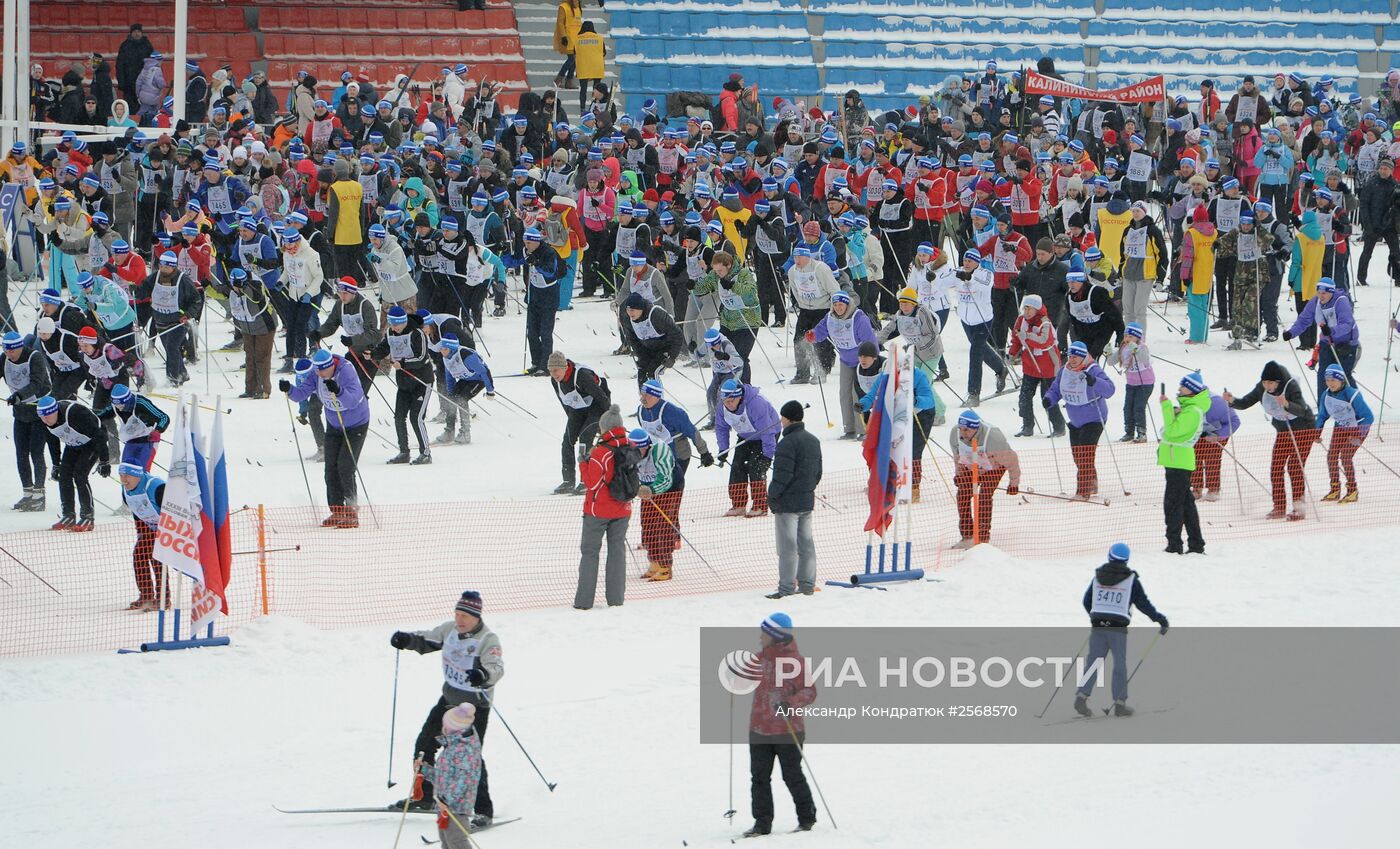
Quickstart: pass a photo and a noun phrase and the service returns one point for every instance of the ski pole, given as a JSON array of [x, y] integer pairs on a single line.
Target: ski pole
[[30, 571], [1023, 491], [1082, 647], [1155, 637], [393, 718], [1113, 455], [416, 793], [1163, 316], [729, 814], [492, 704], [355, 463], [297, 441], [802, 753], [683, 538], [821, 388]]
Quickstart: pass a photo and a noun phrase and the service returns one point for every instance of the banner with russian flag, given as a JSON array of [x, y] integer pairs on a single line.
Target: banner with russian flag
[[888, 440], [208, 598], [177, 533]]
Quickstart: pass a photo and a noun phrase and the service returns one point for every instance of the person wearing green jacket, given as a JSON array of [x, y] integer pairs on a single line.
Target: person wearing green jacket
[[1176, 453], [737, 289]]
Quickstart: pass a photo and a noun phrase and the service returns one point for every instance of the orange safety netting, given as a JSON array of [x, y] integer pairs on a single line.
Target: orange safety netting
[[63, 592]]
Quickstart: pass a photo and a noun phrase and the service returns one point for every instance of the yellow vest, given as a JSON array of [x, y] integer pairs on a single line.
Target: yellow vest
[[351, 195], [731, 222], [1203, 265], [588, 54], [1313, 250], [1111, 229], [566, 24]]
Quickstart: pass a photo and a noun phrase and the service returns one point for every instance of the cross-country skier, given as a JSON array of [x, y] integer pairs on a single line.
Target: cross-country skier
[[472, 666], [775, 731], [1294, 434], [1084, 387], [981, 455], [1109, 600], [84, 445], [143, 494], [1351, 422], [406, 347], [584, 395], [753, 420]]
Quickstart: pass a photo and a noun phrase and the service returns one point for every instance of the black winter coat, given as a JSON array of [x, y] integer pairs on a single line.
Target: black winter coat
[[1377, 204], [797, 469], [1047, 281]]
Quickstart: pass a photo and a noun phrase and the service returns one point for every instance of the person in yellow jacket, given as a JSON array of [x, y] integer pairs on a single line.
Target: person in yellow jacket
[[1112, 222], [345, 223], [1143, 252], [22, 169], [733, 216], [566, 29], [1198, 272], [1305, 269], [589, 52]]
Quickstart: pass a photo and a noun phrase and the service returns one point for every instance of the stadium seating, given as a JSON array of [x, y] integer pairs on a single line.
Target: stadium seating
[[381, 38]]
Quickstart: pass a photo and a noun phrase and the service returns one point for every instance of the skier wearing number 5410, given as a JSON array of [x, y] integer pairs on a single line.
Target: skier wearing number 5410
[[1109, 600]]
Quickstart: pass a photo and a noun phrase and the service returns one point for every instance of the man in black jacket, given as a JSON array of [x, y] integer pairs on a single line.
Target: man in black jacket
[[1377, 207], [130, 56], [797, 469]]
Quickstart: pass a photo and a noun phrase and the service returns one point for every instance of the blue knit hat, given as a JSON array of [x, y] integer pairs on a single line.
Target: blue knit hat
[[712, 336], [1193, 382], [1134, 329], [732, 389], [1335, 371], [302, 366], [653, 388], [1078, 349], [1326, 285], [449, 343], [13, 340], [969, 419], [398, 315], [639, 438], [121, 394], [972, 254], [47, 405], [1119, 551], [321, 358], [840, 297], [778, 626]]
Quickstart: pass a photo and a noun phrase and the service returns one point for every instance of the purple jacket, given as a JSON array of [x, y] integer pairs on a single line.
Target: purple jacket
[[150, 84], [348, 409], [762, 421], [861, 331], [1337, 315], [1085, 404], [1220, 421]]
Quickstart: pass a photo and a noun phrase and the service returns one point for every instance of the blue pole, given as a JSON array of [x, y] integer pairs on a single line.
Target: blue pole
[[894, 557], [160, 626], [908, 554], [867, 558], [882, 557], [175, 636]]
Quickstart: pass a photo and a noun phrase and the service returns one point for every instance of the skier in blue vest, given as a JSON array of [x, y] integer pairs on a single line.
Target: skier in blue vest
[[1109, 600]]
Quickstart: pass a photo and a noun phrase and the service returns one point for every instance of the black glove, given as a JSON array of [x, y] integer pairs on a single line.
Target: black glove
[[723, 457], [706, 460], [12, 400], [284, 385], [929, 275], [477, 676], [1090, 379], [1016, 180], [332, 386], [1046, 402], [313, 337], [719, 355], [104, 469], [1165, 626], [781, 707], [964, 275], [401, 640], [301, 417], [726, 283], [1287, 335], [347, 341]]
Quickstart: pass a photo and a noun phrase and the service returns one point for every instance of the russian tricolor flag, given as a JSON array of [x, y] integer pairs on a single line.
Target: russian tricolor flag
[[214, 550], [879, 432]]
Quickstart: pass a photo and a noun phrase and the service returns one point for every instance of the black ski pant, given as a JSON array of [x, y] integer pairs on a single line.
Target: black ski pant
[[73, 471], [789, 758], [581, 429], [770, 287], [410, 402], [342, 455], [1368, 244], [743, 341], [427, 744], [30, 437], [1179, 507]]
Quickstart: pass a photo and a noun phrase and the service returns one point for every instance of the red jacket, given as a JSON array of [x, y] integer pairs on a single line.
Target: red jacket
[[1022, 200], [1034, 340], [763, 718], [596, 472], [928, 194], [1006, 264]]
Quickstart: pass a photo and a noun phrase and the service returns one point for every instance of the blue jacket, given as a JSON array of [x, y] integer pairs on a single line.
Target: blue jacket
[[1111, 573], [353, 405], [1276, 173], [1349, 395], [238, 193], [1220, 420], [762, 417], [481, 373], [1337, 315], [109, 301], [676, 420], [823, 250], [923, 392]]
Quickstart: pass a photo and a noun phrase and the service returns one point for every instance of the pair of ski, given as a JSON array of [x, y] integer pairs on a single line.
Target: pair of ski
[[393, 810], [1107, 715]]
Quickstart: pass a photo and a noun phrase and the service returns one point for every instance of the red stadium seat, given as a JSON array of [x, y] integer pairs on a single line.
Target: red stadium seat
[[411, 20], [417, 46], [360, 46], [440, 20], [447, 47], [499, 19]]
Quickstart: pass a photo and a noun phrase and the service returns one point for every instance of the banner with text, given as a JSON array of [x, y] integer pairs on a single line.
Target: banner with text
[[1149, 90]]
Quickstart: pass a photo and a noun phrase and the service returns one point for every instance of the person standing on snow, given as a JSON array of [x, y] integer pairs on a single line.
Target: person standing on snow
[[974, 295], [1033, 338], [1294, 435], [797, 469], [84, 445], [775, 731], [981, 455], [335, 383], [611, 480], [406, 347], [1179, 457], [456, 775], [848, 328], [670, 425], [144, 494], [1109, 600], [1135, 361], [1351, 421], [1331, 312], [753, 420], [1084, 387], [652, 335], [472, 666], [585, 397], [655, 476]]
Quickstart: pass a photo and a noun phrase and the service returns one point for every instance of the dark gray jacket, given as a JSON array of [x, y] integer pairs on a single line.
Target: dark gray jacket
[[797, 469]]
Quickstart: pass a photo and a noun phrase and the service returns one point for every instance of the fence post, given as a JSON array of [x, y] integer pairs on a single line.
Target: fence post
[[262, 557]]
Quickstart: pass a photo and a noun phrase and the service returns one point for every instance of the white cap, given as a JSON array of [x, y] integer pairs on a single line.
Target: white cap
[[257, 147], [240, 152], [45, 325]]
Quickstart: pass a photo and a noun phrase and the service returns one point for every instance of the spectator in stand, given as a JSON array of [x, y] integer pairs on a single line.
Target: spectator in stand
[[131, 58], [567, 24], [589, 53]]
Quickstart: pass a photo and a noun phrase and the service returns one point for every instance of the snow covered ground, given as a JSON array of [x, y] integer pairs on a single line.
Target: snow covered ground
[[194, 747]]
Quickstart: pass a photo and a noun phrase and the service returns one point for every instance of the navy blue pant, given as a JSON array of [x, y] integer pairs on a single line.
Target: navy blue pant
[[980, 353], [541, 311]]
